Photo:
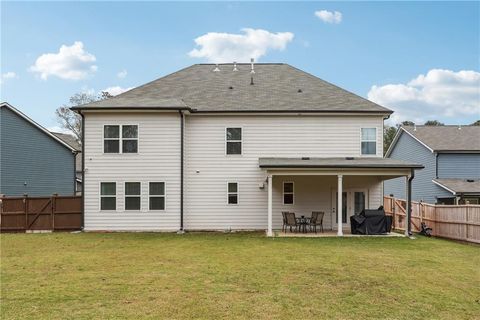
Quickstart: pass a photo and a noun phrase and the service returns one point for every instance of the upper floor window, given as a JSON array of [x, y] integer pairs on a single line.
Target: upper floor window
[[120, 139], [234, 140], [369, 141], [108, 196]]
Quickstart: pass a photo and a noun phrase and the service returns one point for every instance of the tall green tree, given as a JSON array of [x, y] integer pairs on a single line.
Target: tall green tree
[[476, 123], [434, 123], [388, 135]]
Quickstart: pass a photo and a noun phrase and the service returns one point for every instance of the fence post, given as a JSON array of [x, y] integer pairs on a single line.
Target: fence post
[[1, 208], [25, 209], [466, 221], [54, 204]]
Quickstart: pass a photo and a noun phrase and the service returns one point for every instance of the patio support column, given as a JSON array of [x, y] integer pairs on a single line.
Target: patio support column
[[339, 205], [270, 195]]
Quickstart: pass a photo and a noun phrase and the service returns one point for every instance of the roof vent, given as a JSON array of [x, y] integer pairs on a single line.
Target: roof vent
[[349, 158], [251, 80], [470, 180], [414, 127], [216, 68], [252, 66], [305, 158], [230, 87], [235, 66], [459, 127], [299, 91]]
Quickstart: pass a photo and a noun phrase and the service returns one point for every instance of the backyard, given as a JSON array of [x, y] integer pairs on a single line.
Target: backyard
[[243, 275]]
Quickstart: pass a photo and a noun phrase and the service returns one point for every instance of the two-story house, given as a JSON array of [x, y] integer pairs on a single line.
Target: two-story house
[[229, 147], [451, 156]]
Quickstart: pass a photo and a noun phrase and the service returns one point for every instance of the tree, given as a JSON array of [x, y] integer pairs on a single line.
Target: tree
[[72, 121], [388, 135], [434, 123], [476, 123], [408, 123]]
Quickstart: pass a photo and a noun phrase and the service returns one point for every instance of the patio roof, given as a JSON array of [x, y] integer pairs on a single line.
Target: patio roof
[[337, 163]]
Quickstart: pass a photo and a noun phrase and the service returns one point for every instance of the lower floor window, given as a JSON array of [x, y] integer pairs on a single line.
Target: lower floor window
[[156, 194], [132, 195], [288, 193], [108, 196], [232, 193]]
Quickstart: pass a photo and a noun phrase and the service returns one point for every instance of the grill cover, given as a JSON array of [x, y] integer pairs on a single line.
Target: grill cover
[[370, 222]]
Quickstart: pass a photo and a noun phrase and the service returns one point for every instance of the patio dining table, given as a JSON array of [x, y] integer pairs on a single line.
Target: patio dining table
[[303, 222]]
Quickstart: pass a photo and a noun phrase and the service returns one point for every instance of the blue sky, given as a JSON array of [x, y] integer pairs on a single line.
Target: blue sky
[[378, 50]]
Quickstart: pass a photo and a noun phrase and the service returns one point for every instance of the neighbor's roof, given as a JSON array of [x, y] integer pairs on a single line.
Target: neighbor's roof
[[365, 163], [459, 186], [38, 126], [447, 138], [277, 88], [69, 139]]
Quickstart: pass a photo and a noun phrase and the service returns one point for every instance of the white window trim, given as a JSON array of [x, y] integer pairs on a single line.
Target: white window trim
[[292, 193], [237, 193], [376, 142], [100, 196], [125, 196], [120, 139], [157, 196], [226, 141]]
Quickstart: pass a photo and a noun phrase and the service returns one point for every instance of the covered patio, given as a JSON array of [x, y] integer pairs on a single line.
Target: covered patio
[[306, 185]]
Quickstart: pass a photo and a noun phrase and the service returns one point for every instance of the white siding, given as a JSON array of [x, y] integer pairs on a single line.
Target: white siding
[[158, 159], [266, 136]]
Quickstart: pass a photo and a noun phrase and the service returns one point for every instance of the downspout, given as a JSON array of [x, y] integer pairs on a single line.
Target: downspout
[[409, 204], [75, 172], [436, 165], [182, 119], [83, 170]]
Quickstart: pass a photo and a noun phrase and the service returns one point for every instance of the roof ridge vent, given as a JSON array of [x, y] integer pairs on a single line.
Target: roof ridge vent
[[305, 158], [349, 158], [235, 66], [217, 69], [252, 68]]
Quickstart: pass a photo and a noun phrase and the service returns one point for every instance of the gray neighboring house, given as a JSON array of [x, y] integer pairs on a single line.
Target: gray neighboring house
[[451, 156], [73, 142], [33, 161]]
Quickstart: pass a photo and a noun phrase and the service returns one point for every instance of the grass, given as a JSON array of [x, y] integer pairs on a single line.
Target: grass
[[246, 276]]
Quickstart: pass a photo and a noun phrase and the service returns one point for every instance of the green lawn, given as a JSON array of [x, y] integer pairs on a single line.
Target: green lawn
[[248, 276]]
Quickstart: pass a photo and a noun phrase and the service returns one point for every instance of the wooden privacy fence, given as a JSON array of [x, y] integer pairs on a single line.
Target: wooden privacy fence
[[55, 213], [460, 222]]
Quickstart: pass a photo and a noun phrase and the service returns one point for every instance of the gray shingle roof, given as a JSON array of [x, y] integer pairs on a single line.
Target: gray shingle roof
[[276, 88], [369, 163], [447, 138], [69, 139], [460, 185]]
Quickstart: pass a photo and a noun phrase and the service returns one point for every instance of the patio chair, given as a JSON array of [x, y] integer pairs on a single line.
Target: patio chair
[[316, 220], [284, 221], [291, 222]]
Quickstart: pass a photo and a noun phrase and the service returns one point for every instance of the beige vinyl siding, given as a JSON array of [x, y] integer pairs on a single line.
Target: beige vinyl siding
[[158, 160], [208, 168]]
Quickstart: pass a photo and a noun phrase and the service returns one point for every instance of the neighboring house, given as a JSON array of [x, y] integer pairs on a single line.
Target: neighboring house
[[451, 156], [33, 161], [73, 142], [229, 147]]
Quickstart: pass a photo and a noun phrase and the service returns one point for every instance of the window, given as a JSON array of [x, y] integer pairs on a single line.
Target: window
[[369, 141], [111, 139], [132, 195], [288, 193], [234, 140], [232, 193], [156, 194], [108, 196], [128, 139]]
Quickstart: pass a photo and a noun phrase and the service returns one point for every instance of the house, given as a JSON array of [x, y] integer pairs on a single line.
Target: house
[[229, 147], [33, 161], [451, 156], [74, 143]]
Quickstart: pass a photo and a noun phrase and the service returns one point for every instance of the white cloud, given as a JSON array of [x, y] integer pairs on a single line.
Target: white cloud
[[115, 90], [227, 47], [7, 75], [71, 62], [329, 16], [439, 93], [122, 74]]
